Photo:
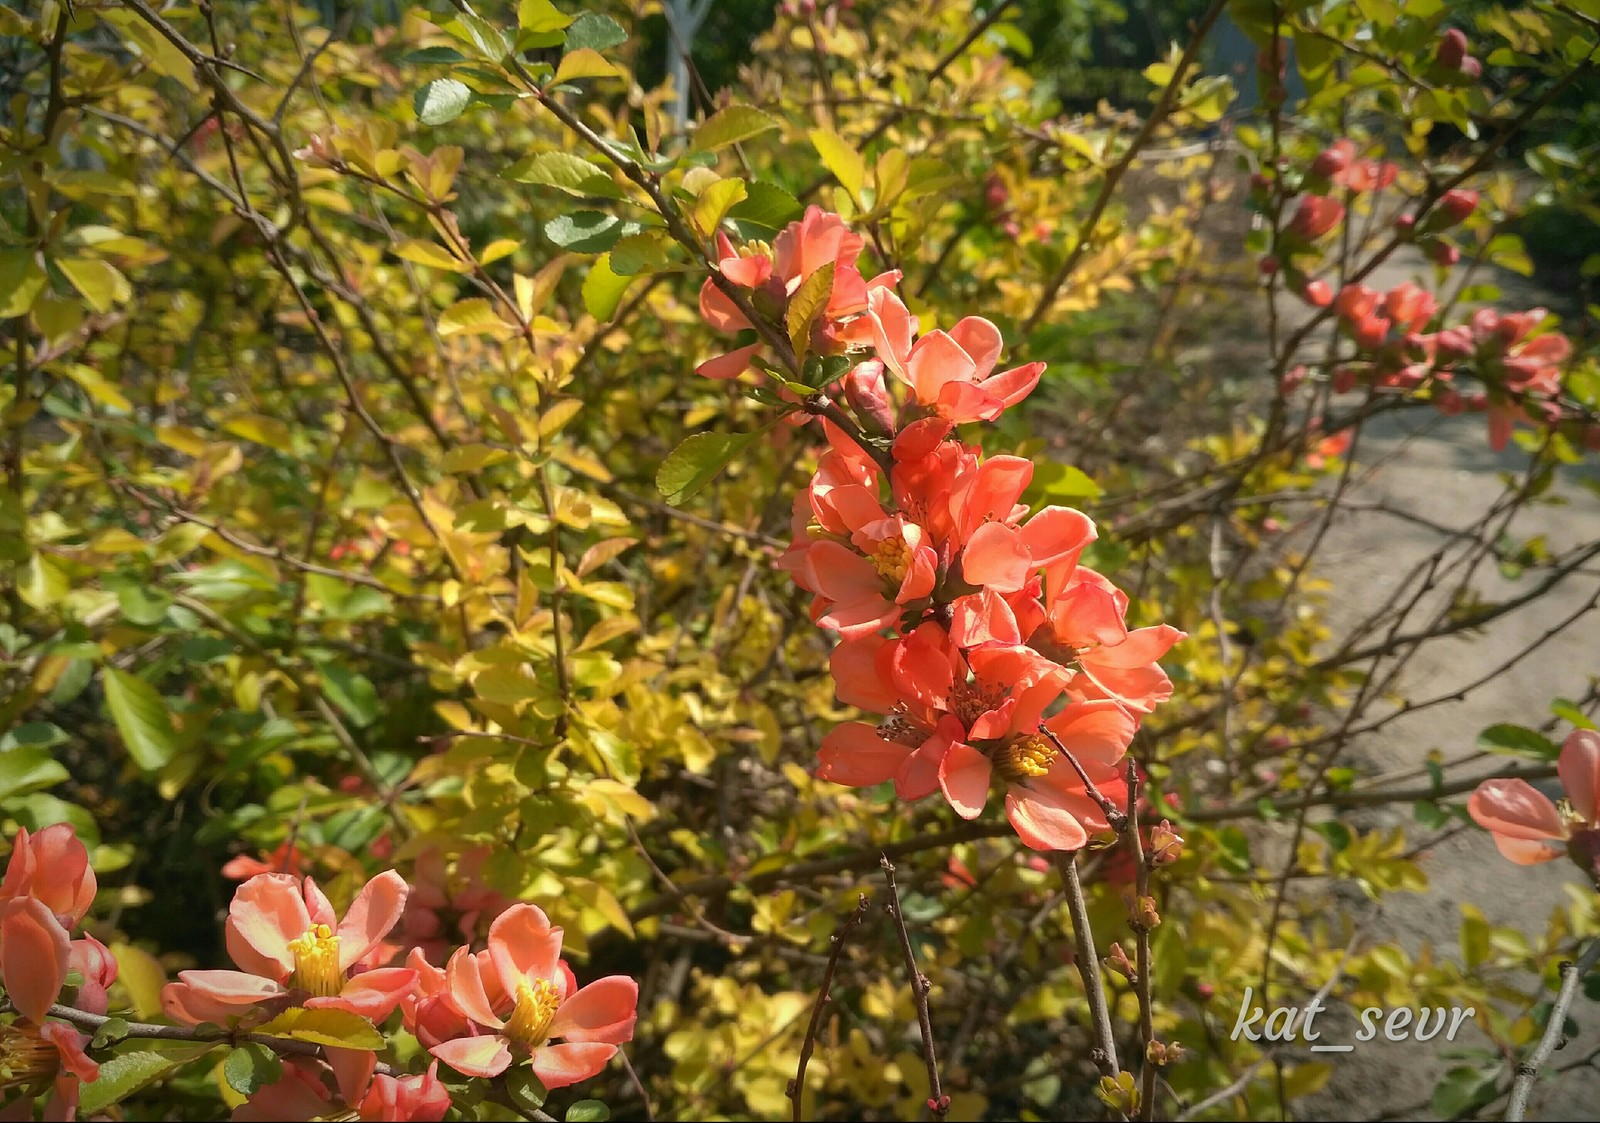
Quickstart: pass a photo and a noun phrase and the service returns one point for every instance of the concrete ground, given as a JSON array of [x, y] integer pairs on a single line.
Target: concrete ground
[[1447, 474]]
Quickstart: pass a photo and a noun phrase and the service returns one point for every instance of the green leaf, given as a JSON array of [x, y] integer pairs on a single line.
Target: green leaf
[[21, 280], [584, 231], [28, 769], [561, 170], [696, 462], [338, 1028], [441, 100], [842, 160], [1063, 481], [99, 283], [1518, 740], [1463, 1090], [595, 32], [140, 714], [526, 1091], [603, 289], [714, 203], [588, 1111], [732, 125], [251, 1066], [349, 690], [767, 206], [808, 300], [126, 1073]]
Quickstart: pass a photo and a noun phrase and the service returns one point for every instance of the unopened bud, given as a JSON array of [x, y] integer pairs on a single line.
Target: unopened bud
[[1163, 1053], [1118, 963], [1142, 914], [1452, 49], [1166, 844]]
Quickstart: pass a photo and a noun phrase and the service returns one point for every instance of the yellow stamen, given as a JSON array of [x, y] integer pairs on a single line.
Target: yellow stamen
[[1025, 758], [892, 558], [535, 1010], [316, 963], [25, 1057]]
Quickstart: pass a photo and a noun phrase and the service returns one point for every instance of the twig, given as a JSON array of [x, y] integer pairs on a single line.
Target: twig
[[1141, 985], [938, 1102], [797, 1086], [1114, 815], [1528, 1071], [1084, 234], [638, 1085], [1104, 1053]]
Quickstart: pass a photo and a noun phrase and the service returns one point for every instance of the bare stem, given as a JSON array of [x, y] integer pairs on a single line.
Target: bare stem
[[938, 1102], [1528, 1071], [797, 1086], [1104, 1053]]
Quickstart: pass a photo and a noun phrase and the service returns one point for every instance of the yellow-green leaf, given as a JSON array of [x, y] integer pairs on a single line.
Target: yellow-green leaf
[[100, 283], [715, 202], [807, 301], [338, 1028], [603, 289], [842, 160], [21, 279], [585, 62], [268, 431], [430, 254], [732, 125]]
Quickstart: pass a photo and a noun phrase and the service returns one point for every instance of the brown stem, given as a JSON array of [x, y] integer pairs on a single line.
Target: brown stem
[[1104, 1053], [938, 1102], [1141, 985], [1528, 1071], [797, 1086]]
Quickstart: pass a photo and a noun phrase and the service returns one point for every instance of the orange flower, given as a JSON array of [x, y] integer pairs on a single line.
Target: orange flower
[[525, 978], [1529, 829], [294, 951]]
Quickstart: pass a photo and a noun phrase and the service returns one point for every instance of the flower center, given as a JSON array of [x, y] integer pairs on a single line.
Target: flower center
[[533, 1013], [25, 1057], [316, 963], [892, 558], [1025, 758], [901, 730], [971, 700]]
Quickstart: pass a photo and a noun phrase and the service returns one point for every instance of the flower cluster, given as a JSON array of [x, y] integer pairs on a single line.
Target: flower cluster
[[1397, 342], [994, 657], [47, 891], [1528, 828], [514, 1002]]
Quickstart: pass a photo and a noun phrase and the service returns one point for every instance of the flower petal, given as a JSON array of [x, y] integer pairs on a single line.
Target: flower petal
[[964, 775], [523, 945], [1580, 773], [34, 950], [374, 912], [267, 912], [854, 755], [569, 1062], [484, 1056], [604, 1011], [1515, 809], [1043, 820]]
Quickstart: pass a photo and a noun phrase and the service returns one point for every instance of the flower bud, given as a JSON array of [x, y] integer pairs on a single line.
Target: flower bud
[[1142, 914], [1163, 1053], [1118, 963], [1317, 293], [1316, 216], [1291, 380], [1442, 253], [1333, 159], [1456, 205], [1452, 49], [1268, 265], [1166, 844]]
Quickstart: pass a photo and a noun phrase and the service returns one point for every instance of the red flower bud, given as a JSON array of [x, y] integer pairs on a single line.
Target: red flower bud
[[1317, 293], [1333, 160], [1452, 49], [1316, 215], [1443, 253], [1456, 205], [1268, 266]]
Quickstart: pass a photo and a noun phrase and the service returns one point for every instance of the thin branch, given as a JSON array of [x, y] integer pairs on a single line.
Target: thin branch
[[797, 1086], [1104, 1053], [1554, 1037], [938, 1102], [1085, 232]]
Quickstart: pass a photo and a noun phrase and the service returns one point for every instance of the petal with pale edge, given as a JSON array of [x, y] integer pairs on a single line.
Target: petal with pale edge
[[570, 1061], [604, 1011], [475, 1056], [1580, 773]]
